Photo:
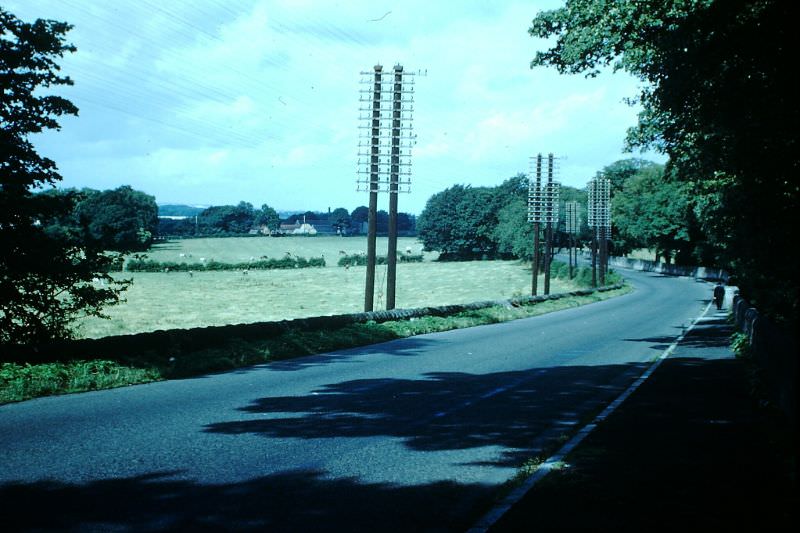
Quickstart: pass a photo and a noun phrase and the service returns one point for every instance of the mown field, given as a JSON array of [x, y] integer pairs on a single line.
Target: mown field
[[180, 300], [238, 250]]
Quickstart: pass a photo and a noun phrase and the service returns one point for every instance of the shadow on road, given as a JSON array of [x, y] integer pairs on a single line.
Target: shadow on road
[[291, 501], [408, 347], [521, 411], [714, 332]]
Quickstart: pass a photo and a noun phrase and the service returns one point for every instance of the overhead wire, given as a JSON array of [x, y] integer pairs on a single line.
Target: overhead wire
[[166, 98]]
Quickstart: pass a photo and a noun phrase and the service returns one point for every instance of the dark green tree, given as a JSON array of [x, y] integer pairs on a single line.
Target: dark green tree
[[406, 222], [717, 98], [619, 172], [513, 233], [652, 211], [183, 227], [122, 219], [46, 277], [340, 219], [461, 221], [227, 219], [267, 216]]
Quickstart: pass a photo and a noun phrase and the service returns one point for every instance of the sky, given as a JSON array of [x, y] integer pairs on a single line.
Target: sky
[[211, 102]]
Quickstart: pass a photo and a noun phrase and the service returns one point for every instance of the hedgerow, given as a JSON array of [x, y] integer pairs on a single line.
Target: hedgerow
[[285, 263]]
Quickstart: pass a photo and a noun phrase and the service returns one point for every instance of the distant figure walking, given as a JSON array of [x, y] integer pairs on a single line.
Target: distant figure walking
[[719, 295]]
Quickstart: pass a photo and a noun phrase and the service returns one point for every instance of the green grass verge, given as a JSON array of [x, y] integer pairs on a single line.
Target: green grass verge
[[25, 381]]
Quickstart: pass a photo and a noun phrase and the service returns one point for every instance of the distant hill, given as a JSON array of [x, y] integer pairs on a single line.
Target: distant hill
[[179, 210]]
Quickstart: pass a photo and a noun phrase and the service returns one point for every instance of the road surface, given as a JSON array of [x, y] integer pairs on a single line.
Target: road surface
[[414, 434]]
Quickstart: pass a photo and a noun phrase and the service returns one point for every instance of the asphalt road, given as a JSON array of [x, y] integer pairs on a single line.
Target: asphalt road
[[415, 434]]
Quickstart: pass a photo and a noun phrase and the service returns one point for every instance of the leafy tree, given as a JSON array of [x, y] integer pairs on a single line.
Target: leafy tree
[[717, 98], [652, 211], [619, 172], [267, 216], [308, 216], [406, 222], [359, 215], [461, 221], [340, 219], [513, 233], [227, 219], [176, 227], [121, 219], [45, 276]]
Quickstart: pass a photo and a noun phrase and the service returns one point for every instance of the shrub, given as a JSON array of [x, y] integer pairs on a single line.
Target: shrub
[[148, 265], [361, 260]]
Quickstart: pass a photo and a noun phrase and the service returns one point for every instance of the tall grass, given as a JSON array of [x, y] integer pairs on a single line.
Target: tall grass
[[180, 300], [20, 382]]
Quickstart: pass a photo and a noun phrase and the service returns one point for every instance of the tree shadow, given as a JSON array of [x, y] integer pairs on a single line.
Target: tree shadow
[[404, 347], [520, 414], [286, 501], [690, 446], [523, 412], [713, 332]]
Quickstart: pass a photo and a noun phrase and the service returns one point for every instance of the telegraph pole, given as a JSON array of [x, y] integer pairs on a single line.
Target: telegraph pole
[[394, 178], [372, 219], [551, 196], [542, 209], [572, 227], [599, 219], [388, 164], [535, 216]]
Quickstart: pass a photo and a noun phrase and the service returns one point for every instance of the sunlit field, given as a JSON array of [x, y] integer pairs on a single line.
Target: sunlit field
[[237, 250], [180, 300]]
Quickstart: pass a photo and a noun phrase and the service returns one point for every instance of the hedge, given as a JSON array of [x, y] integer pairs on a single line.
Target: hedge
[[361, 260], [286, 263]]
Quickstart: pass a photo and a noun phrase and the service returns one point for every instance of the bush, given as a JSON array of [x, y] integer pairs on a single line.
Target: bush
[[361, 260], [148, 265]]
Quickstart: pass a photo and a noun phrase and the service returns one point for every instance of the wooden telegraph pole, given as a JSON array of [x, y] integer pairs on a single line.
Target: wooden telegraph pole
[[599, 219], [551, 199], [535, 216], [386, 164], [572, 227], [374, 176], [394, 181], [542, 209]]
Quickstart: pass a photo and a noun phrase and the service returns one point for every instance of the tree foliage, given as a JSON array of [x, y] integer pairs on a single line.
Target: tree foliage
[[652, 211], [46, 277], [462, 222], [717, 98], [227, 219], [122, 219], [267, 216]]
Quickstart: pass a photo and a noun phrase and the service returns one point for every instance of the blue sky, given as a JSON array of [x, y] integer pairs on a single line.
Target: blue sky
[[218, 101]]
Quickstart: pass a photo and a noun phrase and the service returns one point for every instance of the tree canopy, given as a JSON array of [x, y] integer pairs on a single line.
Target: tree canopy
[[652, 211], [462, 221], [717, 98], [122, 219], [46, 278]]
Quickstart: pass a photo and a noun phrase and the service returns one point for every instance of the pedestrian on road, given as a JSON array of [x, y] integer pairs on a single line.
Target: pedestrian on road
[[719, 294]]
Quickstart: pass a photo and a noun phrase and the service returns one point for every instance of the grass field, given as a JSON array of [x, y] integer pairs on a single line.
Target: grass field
[[178, 300], [238, 250]]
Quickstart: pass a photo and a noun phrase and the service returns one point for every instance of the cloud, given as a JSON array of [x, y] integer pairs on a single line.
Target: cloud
[[217, 102]]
